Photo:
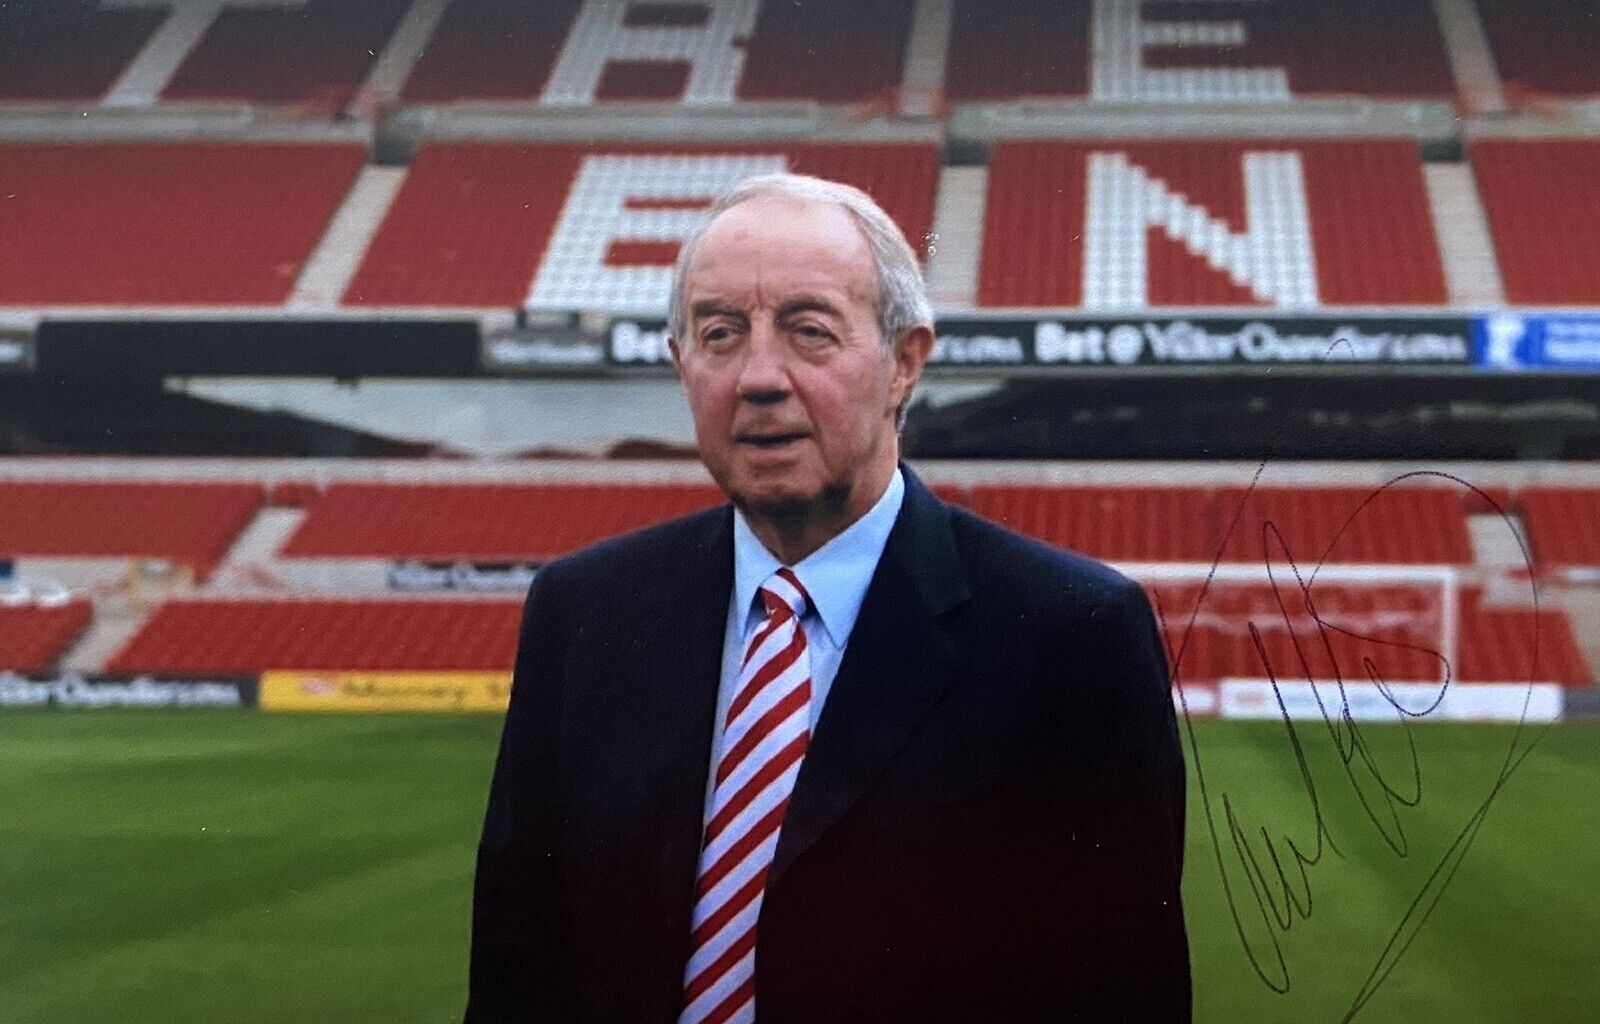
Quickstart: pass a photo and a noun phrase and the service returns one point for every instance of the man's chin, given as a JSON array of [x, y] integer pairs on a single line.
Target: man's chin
[[784, 503], [773, 503]]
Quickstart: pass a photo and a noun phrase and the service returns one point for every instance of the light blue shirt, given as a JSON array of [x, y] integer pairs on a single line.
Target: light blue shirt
[[835, 575]]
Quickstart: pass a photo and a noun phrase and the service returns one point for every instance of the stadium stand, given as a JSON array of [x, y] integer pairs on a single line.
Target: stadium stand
[[234, 634], [482, 521], [191, 223], [294, 493], [1382, 580], [1544, 46], [1542, 200], [1327, 525], [286, 51], [244, 636], [189, 523], [102, 40], [486, 50], [1135, 51], [512, 202], [34, 635], [590, 226], [1495, 500], [1294, 224], [1141, 524], [1014, 49], [139, 52], [708, 53], [1399, 526], [1563, 524], [1518, 643], [1493, 645]]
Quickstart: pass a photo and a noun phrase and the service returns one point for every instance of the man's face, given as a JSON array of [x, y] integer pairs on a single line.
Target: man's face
[[791, 387]]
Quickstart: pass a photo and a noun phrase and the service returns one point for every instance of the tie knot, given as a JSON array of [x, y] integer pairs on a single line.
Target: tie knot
[[784, 588]]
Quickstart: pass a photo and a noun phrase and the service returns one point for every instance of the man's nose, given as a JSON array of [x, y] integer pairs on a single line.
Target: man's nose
[[764, 377]]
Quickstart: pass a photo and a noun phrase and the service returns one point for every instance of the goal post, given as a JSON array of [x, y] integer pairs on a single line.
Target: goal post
[[1367, 628]]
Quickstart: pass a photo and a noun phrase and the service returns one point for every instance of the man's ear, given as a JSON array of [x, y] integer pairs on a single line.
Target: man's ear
[[677, 357], [910, 353]]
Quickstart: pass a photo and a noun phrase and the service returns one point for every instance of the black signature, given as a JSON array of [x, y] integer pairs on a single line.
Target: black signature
[[1278, 870]]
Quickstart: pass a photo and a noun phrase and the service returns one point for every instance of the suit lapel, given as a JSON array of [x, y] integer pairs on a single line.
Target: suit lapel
[[897, 663]]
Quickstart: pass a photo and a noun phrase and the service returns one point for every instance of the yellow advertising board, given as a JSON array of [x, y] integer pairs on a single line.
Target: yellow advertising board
[[385, 691]]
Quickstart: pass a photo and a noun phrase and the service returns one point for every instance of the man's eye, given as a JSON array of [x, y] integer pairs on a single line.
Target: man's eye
[[811, 332]]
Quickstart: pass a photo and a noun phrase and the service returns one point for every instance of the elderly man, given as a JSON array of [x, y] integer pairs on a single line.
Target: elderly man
[[835, 751]]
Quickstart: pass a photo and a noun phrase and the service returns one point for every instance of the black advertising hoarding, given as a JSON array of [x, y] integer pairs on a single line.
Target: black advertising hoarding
[[1143, 342], [258, 347], [91, 690], [16, 354], [472, 577], [541, 350], [450, 348], [637, 343], [1220, 341]]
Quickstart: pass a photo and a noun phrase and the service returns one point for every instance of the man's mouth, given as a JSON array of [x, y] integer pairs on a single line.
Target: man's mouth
[[770, 440]]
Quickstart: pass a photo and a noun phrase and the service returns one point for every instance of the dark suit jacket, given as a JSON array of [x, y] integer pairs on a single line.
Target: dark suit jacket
[[987, 825]]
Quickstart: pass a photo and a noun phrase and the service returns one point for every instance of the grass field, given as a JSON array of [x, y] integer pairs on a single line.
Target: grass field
[[225, 867]]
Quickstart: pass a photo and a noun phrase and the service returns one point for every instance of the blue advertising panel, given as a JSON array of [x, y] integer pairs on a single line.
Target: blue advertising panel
[[1520, 341]]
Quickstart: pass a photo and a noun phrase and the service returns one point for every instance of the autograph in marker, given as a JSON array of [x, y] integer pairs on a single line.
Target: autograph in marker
[[1270, 876]]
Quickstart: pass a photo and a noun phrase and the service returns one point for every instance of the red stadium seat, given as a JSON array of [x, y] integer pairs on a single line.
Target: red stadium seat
[[256, 51], [859, 50], [1542, 198], [316, 51], [245, 636], [294, 493], [489, 50], [1331, 525], [1496, 498], [1493, 644], [1216, 621], [33, 636], [1517, 644], [194, 223], [1267, 51], [188, 523], [1003, 50], [1335, 525], [483, 522], [712, 53], [1563, 524], [1135, 524], [101, 40], [242, 636], [1127, 225], [1544, 46], [500, 224]]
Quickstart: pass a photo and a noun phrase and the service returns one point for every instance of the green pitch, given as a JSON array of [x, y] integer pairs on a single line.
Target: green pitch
[[238, 867]]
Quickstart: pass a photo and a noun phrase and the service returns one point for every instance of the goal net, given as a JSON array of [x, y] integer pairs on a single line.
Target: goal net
[[1379, 640]]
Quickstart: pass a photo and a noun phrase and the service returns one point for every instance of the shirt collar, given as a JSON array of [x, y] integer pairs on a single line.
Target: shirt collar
[[835, 575]]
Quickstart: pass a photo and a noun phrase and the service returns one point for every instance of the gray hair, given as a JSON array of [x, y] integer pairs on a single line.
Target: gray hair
[[902, 295]]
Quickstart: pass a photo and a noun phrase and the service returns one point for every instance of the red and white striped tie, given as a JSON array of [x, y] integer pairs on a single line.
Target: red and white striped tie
[[764, 738]]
